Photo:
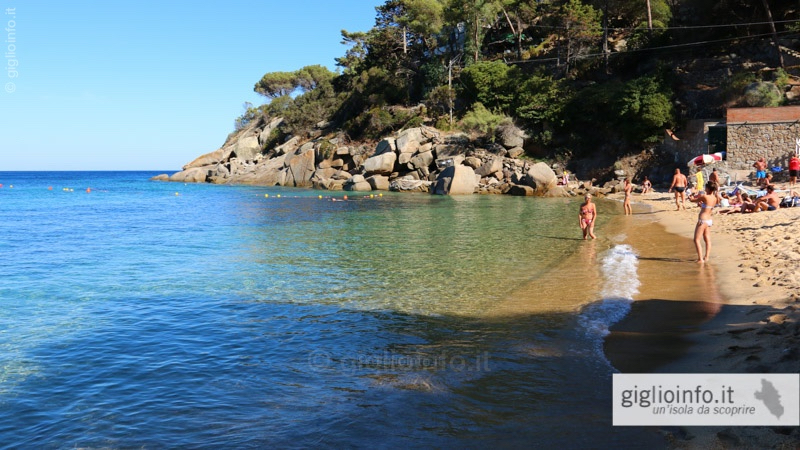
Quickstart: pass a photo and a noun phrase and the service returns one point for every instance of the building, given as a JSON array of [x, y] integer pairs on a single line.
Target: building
[[745, 134]]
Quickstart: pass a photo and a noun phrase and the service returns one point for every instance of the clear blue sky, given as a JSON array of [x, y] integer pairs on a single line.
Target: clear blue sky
[[112, 85]]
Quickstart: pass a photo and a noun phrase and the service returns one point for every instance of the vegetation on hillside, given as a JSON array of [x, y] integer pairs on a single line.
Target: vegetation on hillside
[[572, 73]]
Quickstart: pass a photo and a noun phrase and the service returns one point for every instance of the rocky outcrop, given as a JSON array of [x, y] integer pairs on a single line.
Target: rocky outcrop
[[456, 180], [420, 159]]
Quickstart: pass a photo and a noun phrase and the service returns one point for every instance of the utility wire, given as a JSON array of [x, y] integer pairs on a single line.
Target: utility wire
[[649, 49]]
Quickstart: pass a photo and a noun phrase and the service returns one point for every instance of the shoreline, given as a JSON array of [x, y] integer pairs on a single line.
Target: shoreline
[[738, 315]]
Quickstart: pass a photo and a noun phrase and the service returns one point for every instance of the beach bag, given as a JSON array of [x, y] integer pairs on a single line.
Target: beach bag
[[789, 202]]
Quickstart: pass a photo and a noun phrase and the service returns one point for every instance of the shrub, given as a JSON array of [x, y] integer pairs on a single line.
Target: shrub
[[481, 120]]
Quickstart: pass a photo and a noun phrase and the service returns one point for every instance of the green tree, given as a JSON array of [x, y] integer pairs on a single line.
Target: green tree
[[581, 31], [644, 109], [489, 83], [276, 84]]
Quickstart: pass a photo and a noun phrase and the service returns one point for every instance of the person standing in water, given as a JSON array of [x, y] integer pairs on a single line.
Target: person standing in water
[[627, 202], [587, 216], [679, 183], [702, 231]]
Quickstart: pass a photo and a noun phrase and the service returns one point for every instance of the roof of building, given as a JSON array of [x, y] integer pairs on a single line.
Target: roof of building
[[763, 115]]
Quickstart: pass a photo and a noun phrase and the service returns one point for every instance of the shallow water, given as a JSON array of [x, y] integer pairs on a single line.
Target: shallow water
[[147, 314]]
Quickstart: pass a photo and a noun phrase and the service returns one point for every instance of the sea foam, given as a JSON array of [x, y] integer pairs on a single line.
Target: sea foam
[[620, 283]]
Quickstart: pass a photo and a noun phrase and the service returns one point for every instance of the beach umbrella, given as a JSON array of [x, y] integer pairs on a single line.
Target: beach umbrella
[[706, 159]]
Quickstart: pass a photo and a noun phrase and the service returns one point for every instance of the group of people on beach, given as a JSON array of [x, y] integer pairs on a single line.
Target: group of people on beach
[[707, 199]]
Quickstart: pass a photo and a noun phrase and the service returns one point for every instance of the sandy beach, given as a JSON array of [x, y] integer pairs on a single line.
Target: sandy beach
[[739, 312]]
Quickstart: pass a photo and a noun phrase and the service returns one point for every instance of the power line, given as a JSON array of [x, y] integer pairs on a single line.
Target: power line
[[695, 27], [649, 49]]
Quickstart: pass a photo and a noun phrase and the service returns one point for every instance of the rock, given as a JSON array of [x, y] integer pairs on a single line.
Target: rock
[[246, 148], [404, 158], [510, 136], [161, 177], [515, 152], [421, 161], [380, 164], [493, 165], [215, 157], [557, 191], [521, 190], [288, 146], [386, 145], [300, 167], [408, 140], [265, 173], [193, 175], [379, 182], [357, 183], [221, 171], [409, 185], [263, 137], [456, 180], [473, 162], [541, 177], [325, 173], [328, 185]]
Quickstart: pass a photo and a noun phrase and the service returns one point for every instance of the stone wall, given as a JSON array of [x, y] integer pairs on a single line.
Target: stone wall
[[749, 141], [689, 142]]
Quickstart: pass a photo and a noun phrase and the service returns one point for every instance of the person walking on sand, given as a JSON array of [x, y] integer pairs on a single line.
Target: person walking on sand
[[587, 216], [626, 204], [679, 183], [702, 231], [794, 170]]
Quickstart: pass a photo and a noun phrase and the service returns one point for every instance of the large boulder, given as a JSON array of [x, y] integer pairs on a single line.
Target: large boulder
[[264, 135], [408, 140], [407, 184], [247, 148], [300, 167], [379, 182], [557, 191], [357, 183], [521, 190], [265, 173], [380, 164], [220, 155], [510, 136], [456, 180], [541, 177], [287, 147], [193, 175], [421, 161], [385, 146], [493, 165]]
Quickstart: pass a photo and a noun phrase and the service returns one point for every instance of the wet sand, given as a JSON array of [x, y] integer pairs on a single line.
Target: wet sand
[[735, 314]]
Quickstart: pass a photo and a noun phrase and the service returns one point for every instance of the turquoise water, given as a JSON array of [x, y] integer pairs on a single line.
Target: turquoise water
[[161, 315]]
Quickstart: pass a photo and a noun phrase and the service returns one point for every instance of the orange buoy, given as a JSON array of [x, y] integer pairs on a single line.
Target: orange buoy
[[88, 190], [345, 197]]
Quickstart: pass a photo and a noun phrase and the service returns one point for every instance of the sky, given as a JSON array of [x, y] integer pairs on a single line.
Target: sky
[[146, 85]]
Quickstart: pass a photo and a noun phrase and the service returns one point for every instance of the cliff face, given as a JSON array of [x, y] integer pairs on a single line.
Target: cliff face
[[419, 159]]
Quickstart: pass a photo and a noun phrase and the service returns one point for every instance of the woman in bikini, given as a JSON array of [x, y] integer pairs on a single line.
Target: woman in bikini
[[626, 204], [586, 216], [702, 231]]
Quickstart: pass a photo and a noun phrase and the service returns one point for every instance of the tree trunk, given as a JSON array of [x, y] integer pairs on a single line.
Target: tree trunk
[[477, 37], [774, 33], [649, 19]]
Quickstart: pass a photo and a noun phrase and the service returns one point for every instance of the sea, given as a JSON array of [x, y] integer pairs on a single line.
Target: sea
[[145, 314]]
